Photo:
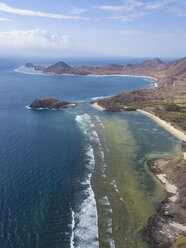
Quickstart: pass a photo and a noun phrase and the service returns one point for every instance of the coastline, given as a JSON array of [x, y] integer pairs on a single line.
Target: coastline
[[102, 75], [179, 134], [97, 106], [119, 75], [165, 227], [168, 225], [174, 131], [98, 75]]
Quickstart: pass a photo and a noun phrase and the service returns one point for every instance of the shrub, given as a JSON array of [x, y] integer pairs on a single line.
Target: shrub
[[180, 242], [130, 109], [171, 106]]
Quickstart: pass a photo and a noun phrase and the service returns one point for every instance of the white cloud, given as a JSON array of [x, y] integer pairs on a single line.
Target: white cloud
[[5, 20], [128, 5], [130, 32], [115, 8], [8, 9], [162, 35], [158, 4], [129, 18], [177, 11], [77, 11], [132, 9], [35, 38]]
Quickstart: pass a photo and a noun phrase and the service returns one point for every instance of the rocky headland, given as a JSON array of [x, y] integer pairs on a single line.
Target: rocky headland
[[51, 103], [167, 100], [168, 226]]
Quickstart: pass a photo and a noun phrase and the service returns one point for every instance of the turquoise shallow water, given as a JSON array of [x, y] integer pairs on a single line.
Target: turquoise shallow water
[[47, 157]]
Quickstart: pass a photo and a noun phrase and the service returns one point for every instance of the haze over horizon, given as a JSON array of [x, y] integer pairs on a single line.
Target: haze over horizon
[[128, 28]]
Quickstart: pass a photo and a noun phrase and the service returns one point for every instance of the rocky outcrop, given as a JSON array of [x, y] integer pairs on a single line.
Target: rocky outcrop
[[121, 101], [29, 64], [153, 234], [51, 103], [170, 221]]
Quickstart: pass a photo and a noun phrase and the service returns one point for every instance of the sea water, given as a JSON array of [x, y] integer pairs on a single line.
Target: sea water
[[64, 175]]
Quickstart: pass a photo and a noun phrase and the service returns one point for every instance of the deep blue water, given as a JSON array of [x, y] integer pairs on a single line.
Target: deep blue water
[[44, 154]]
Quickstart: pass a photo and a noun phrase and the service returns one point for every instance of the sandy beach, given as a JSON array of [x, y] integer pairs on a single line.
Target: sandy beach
[[119, 75], [95, 105], [180, 135], [101, 75]]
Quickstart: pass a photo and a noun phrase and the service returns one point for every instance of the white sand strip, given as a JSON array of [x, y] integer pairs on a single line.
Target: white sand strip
[[180, 135], [95, 105], [178, 226], [171, 188], [120, 75]]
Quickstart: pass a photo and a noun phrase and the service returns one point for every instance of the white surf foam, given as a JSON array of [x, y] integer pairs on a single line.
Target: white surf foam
[[28, 70], [86, 230], [72, 226], [80, 101], [100, 97], [108, 221], [28, 107], [99, 121], [113, 183], [82, 232]]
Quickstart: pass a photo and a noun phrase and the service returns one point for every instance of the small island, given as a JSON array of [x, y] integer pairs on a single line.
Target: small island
[[51, 103]]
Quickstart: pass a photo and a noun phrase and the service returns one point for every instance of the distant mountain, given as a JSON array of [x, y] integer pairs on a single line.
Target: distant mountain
[[171, 81], [58, 68], [62, 68], [154, 68]]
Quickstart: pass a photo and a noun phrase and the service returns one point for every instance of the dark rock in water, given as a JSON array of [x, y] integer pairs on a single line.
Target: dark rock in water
[[183, 146], [153, 166], [29, 65], [153, 236], [51, 103]]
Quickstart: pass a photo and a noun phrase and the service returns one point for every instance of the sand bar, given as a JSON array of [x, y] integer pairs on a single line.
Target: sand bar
[[179, 134], [95, 105]]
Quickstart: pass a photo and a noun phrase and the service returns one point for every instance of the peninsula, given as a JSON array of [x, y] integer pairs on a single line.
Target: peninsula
[[61, 68], [51, 103]]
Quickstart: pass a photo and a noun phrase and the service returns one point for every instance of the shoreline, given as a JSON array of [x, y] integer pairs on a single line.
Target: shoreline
[[168, 224], [179, 134], [98, 75], [102, 75], [97, 106], [119, 75], [174, 131]]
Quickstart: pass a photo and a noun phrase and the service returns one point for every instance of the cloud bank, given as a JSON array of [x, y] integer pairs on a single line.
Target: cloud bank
[[132, 9], [24, 12], [35, 38]]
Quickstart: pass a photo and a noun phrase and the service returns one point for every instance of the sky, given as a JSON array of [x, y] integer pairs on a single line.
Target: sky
[[100, 28]]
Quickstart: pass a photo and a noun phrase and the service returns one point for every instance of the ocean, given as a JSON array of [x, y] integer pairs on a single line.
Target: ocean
[[74, 177]]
